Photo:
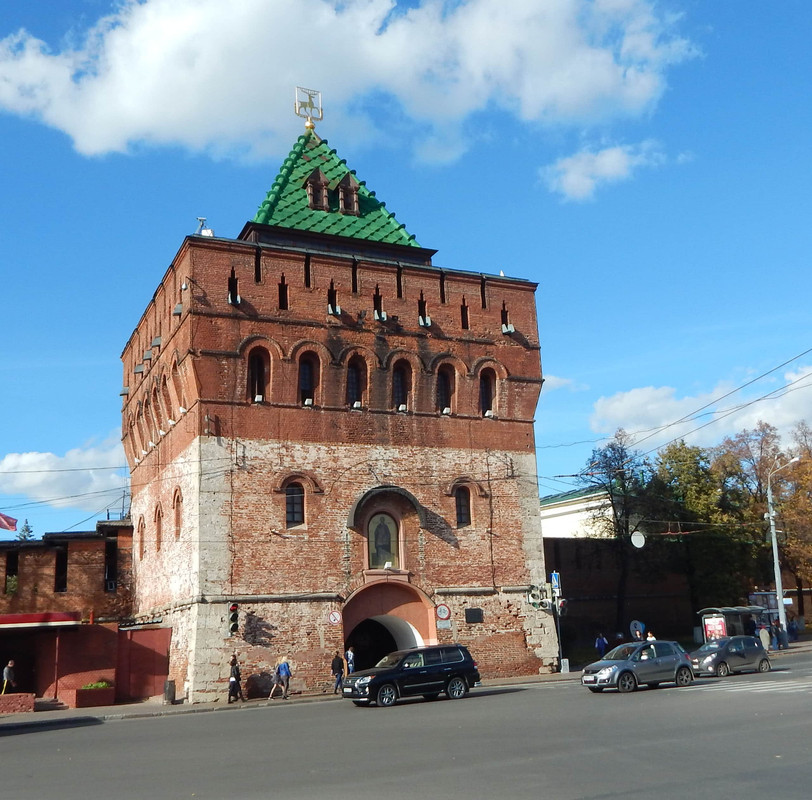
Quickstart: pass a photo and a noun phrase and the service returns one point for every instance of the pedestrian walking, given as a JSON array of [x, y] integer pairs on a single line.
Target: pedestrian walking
[[337, 671], [281, 678], [235, 682], [350, 657], [601, 644], [9, 679]]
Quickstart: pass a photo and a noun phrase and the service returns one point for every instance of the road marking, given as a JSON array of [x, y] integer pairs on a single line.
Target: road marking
[[752, 686]]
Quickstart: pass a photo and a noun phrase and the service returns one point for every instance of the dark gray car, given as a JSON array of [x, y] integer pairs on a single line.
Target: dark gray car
[[720, 657], [629, 665]]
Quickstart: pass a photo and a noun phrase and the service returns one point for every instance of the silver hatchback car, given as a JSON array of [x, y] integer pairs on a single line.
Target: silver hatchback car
[[629, 665]]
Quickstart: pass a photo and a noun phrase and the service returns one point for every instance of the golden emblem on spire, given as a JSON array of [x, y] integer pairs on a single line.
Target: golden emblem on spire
[[308, 105]]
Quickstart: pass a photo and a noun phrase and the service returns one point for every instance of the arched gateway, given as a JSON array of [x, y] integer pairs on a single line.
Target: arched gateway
[[384, 616]]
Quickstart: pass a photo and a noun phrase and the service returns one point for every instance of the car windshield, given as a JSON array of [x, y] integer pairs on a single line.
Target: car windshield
[[390, 661], [712, 647], [621, 653]]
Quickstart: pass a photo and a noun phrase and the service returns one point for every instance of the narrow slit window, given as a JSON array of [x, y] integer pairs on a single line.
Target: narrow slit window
[[294, 505], [462, 496], [12, 571], [442, 287], [399, 279], [283, 294], [307, 271], [464, 320], [61, 570], [258, 266], [354, 276], [482, 295], [110, 565]]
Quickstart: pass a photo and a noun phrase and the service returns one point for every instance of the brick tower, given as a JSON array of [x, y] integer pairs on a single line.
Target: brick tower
[[331, 444]]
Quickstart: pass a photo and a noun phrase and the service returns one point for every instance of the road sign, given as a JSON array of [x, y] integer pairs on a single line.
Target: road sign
[[555, 582], [334, 617]]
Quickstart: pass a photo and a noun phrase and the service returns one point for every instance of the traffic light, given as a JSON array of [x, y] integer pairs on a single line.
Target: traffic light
[[562, 607], [233, 618]]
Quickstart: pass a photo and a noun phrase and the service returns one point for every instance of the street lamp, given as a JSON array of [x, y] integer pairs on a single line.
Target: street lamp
[[779, 589]]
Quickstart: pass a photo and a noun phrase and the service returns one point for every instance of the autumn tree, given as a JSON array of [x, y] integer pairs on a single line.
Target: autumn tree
[[717, 552]]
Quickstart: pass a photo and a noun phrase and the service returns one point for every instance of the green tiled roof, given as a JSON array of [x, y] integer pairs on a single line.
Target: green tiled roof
[[287, 205]]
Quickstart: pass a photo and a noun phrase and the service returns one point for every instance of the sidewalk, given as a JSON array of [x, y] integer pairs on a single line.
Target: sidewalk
[[154, 707]]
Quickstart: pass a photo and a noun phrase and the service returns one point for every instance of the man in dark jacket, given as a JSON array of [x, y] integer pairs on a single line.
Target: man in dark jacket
[[337, 670]]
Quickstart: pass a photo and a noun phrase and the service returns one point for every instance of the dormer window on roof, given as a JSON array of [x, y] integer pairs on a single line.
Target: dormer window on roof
[[348, 195], [316, 185]]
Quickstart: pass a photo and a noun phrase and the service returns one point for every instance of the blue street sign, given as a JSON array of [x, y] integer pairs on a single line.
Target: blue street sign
[[555, 582]]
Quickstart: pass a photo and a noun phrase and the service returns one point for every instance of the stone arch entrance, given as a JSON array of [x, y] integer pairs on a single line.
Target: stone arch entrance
[[386, 616]]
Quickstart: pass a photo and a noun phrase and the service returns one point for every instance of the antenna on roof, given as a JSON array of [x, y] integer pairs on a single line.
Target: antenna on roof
[[307, 104], [202, 230]]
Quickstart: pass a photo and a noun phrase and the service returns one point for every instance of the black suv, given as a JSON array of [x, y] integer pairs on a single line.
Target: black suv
[[420, 670]]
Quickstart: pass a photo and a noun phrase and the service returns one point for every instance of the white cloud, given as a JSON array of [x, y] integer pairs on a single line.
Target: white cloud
[[649, 413], [577, 177], [217, 79], [554, 382], [86, 478]]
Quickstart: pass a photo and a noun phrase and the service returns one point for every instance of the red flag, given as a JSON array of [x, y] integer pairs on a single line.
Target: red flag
[[7, 523]]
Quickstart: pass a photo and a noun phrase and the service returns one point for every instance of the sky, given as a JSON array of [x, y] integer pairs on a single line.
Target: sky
[[646, 163]]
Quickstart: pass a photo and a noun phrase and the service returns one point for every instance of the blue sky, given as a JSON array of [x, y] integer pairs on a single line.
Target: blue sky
[[647, 163]]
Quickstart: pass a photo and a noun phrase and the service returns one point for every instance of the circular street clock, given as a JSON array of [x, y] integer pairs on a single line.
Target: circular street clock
[[443, 611]]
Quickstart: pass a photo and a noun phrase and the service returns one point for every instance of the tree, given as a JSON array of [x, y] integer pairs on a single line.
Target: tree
[[623, 476], [717, 551], [743, 464], [26, 532], [795, 511]]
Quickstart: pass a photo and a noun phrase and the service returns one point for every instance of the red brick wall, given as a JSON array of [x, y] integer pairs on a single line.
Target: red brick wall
[[230, 457], [16, 703]]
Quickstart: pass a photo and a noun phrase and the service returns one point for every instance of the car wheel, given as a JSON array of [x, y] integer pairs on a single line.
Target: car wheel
[[596, 689], [626, 682], [764, 665], [684, 677], [722, 670], [387, 695], [456, 689], [360, 703], [431, 696]]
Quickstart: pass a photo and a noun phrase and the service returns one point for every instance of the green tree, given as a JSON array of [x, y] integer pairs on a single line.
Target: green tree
[[26, 532], [716, 550], [623, 476]]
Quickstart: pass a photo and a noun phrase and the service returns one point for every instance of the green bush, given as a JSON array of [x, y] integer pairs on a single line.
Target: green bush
[[100, 684]]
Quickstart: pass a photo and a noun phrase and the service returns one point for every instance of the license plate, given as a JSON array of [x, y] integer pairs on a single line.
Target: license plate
[[589, 679], [347, 690]]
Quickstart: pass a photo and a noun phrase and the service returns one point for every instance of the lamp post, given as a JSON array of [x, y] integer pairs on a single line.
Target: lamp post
[[779, 589]]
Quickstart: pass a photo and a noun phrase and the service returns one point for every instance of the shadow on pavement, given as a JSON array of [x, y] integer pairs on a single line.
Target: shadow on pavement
[[15, 728]]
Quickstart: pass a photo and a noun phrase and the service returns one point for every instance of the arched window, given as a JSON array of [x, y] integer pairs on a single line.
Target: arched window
[[445, 388], [177, 385], [462, 496], [401, 385], [382, 540], [158, 412], [356, 380], [142, 430], [166, 400], [141, 533], [159, 522], [259, 362], [294, 505], [487, 391], [308, 378], [177, 512]]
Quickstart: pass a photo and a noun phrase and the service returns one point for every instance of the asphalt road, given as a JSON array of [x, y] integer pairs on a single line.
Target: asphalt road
[[744, 737]]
